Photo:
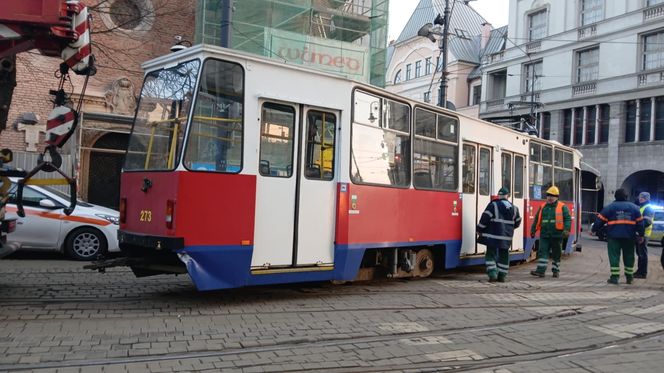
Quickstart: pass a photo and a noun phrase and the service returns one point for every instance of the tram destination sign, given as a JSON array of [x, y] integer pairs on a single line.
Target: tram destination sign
[[347, 59]]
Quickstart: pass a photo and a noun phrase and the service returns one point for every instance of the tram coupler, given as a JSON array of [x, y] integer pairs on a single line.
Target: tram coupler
[[102, 264]]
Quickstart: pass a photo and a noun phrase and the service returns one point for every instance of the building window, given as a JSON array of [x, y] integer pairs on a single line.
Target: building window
[[428, 66], [537, 25], [653, 51], [654, 2], [578, 126], [397, 77], [630, 121], [409, 70], [532, 75], [591, 124], [659, 118], [604, 119], [498, 81], [477, 95], [645, 111], [418, 69], [591, 11], [587, 65], [427, 96], [567, 126]]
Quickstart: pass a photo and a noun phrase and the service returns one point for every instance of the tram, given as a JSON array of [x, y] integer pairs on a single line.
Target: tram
[[245, 171]]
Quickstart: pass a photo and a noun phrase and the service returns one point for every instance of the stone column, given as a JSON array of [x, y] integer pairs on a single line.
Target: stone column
[[637, 128], [652, 119], [596, 119], [584, 125], [572, 128], [616, 133], [556, 126]]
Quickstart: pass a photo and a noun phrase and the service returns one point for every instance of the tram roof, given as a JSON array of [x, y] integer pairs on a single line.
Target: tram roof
[[207, 50]]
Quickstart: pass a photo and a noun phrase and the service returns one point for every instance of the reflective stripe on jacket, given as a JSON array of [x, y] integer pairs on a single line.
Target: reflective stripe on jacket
[[498, 222], [623, 218], [552, 220]]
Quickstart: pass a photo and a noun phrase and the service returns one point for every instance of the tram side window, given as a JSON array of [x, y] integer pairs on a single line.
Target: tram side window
[[518, 177], [485, 172], [216, 134], [564, 175], [434, 161], [380, 146], [277, 142], [540, 170], [321, 134], [506, 171], [469, 169]]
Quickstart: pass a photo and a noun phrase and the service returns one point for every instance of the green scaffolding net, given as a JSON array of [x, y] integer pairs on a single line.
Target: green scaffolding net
[[346, 37]]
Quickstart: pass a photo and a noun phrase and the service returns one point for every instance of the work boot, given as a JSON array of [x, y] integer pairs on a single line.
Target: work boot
[[502, 279], [556, 275], [492, 279], [537, 273], [639, 275], [612, 280], [629, 279]]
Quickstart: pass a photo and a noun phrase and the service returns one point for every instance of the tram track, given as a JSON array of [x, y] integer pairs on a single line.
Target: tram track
[[309, 342]]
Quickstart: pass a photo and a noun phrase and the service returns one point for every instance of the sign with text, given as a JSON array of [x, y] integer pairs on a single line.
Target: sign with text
[[347, 59]]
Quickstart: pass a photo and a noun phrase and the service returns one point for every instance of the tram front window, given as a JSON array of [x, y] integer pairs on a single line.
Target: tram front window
[[156, 137]]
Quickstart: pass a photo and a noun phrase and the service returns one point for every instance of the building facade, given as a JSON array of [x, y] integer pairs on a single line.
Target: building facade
[[125, 33], [414, 62], [345, 37], [591, 72]]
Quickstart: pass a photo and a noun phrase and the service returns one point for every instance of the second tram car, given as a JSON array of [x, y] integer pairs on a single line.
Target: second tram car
[[245, 171]]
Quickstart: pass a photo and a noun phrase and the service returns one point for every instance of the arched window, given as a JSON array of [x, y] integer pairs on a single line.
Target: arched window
[[397, 77]]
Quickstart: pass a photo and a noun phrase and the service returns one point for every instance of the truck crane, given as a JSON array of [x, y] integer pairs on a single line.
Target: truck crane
[[54, 28]]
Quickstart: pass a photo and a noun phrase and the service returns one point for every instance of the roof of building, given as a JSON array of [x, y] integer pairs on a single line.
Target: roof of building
[[497, 40], [463, 18]]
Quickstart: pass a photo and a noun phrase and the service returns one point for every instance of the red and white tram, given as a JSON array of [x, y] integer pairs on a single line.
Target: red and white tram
[[244, 171]]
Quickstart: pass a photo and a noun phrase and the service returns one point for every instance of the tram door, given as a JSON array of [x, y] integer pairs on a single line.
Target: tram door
[[295, 186], [476, 193], [512, 170]]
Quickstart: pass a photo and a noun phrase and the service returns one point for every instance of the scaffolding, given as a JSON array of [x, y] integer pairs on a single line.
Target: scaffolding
[[336, 31]]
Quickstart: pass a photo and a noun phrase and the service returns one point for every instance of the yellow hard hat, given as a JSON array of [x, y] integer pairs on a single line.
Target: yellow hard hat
[[553, 191]]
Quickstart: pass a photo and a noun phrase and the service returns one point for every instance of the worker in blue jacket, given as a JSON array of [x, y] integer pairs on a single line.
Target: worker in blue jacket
[[495, 230], [625, 228]]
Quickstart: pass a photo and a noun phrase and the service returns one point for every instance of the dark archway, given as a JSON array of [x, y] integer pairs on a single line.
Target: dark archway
[[104, 170], [650, 181]]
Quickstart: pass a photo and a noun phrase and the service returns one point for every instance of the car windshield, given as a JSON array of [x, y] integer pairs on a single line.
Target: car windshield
[[65, 196], [163, 112]]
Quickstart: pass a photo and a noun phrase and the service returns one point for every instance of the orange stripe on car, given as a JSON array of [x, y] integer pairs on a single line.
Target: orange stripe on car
[[51, 215]]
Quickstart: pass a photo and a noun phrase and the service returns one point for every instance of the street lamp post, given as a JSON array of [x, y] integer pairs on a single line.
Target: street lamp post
[[429, 30], [442, 98]]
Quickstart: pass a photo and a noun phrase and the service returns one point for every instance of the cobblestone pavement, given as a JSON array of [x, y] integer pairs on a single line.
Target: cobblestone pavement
[[57, 317]]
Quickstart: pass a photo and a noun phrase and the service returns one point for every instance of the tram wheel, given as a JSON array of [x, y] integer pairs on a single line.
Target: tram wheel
[[424, 262]]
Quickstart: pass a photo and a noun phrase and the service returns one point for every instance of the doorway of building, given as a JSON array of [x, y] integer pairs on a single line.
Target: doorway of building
[[104, 169], [650, 181]]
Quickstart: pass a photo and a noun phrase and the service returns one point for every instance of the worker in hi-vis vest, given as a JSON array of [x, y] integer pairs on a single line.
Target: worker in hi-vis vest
[[553, 222], [642, 248]]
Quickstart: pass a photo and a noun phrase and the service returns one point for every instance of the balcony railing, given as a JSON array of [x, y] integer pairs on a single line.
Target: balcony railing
[[651, 78], [527, 96], [587, 31], [495, 103], [534, 46], [584, 89], [496, 57], [653, 12]]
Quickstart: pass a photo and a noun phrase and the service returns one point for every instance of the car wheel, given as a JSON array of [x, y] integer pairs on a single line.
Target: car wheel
[[85, 244]]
